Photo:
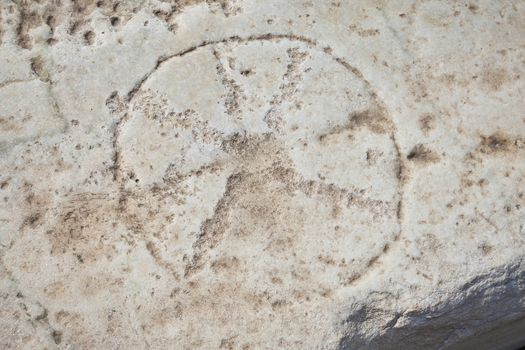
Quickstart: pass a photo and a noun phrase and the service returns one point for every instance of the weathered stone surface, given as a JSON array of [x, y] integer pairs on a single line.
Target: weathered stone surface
[[243, 174]]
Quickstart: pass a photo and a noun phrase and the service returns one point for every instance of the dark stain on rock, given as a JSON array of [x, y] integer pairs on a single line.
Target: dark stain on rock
[[375, 119], [421, 154], [496, 143], [427, 123]]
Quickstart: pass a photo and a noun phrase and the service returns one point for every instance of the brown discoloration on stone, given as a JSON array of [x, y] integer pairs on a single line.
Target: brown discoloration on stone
[[494, 78], [473, 8], [9, 124], [89, 224], [500, 143], [157, 255], [427, 123], [422, 155], [89, 37], [226, 264], [38, 67], [85, 226], [35, 207], [377, 120], [364, 32], [486, 249], [54, 290]]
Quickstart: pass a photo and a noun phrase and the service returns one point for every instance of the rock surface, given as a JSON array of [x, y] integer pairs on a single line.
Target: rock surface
[[241, 174]]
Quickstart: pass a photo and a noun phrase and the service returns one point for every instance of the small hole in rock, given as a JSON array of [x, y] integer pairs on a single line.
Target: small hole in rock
[[114, 21]]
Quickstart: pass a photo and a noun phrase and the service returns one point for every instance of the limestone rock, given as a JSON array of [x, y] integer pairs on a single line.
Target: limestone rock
[[240, 174]]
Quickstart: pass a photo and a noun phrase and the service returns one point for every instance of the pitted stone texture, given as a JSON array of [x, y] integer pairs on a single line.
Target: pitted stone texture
[[248, 175]]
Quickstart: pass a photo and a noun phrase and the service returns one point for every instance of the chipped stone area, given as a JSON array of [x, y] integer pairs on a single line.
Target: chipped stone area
[[238, 174]]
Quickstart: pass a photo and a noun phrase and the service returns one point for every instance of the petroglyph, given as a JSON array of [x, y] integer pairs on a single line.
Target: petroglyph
[[246, 175]]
